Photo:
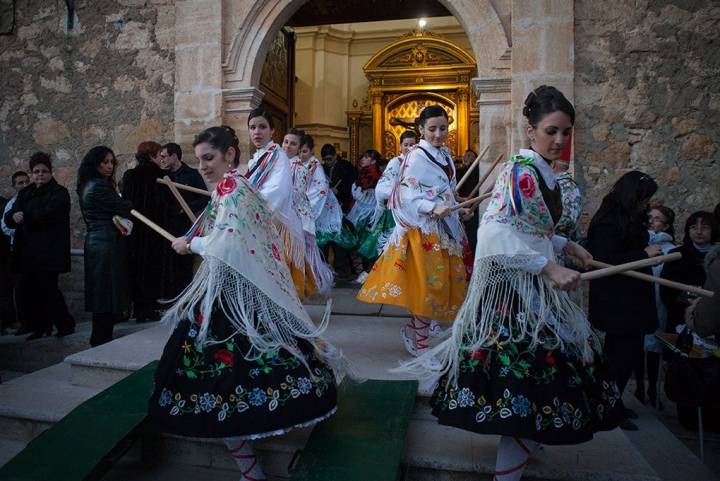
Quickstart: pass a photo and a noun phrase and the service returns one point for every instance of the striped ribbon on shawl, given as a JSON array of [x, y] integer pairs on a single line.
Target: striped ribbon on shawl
[[259, 173]]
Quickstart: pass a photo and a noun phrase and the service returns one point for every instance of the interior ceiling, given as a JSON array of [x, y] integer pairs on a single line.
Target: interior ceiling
[[325, 12]]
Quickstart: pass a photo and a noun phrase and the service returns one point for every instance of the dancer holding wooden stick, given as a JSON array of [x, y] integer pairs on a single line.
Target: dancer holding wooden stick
[[244, 360], [522, 360], [423, 265]]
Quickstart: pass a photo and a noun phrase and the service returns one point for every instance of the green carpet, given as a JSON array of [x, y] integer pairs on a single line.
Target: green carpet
[[365, 440], [81, 446]]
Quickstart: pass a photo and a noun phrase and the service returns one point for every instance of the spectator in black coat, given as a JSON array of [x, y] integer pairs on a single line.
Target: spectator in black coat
[[179, 222], [623, 307], [701, 231], [106, 271], [149, 255], [341, 175], [41, 219]]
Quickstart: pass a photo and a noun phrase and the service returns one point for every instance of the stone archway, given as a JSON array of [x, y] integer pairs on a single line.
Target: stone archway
[[221, 47]]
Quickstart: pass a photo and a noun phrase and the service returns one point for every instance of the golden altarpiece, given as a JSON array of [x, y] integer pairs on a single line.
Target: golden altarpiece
[[417, 70]]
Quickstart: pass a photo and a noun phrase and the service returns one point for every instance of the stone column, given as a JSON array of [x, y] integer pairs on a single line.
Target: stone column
[[542, 53], [493, 103], [198, 71], [377, 114], [237, 104]]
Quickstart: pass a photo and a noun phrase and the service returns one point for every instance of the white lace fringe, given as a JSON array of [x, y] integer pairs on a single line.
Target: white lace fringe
[[321, 271], [253, 314], [545, 316]]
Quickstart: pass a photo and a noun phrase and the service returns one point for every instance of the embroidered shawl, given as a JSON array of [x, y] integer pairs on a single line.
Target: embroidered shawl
[[515, 230], [422, 185], [245, 274], [325, 206]]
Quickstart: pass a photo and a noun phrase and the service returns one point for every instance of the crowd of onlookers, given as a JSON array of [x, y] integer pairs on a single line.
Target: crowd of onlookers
[[128, 268]]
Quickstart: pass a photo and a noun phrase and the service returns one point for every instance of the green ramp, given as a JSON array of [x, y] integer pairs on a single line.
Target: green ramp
[[85, 443], [365, 439]]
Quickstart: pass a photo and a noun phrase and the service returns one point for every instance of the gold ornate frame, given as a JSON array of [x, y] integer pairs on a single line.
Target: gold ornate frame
[[419, 69]]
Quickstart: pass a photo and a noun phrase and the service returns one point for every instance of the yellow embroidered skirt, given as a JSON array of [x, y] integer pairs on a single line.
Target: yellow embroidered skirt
[[420, 275], [303, 279]]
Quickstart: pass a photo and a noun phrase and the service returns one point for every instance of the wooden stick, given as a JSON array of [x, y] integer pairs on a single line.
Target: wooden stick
[[338, 183], [469, 202], [194, 190], [628, 266], [486, 195], [471, 168], [658, 280], [486, 175], [153, 226], [185, 207]]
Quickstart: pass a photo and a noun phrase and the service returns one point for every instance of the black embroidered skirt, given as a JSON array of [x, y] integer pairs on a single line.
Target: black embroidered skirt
[[548, 396], [213, 391]]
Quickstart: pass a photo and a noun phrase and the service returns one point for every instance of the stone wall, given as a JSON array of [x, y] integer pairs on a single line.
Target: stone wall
[[647, 92], [108, 80]]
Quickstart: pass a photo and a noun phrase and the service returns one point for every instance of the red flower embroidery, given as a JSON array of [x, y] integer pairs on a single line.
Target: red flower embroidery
[[257, 216], [199, 318], [479, 355], [550, 360], [427, 246], [224, 356], [527, 185], [322, 192], [226, 186], [276, 252]]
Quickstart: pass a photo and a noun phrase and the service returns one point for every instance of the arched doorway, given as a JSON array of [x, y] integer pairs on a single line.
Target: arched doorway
[[221, 48]]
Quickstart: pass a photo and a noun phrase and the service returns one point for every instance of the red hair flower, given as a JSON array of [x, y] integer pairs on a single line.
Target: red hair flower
[[225, 186], [527, 185], [224, 356]]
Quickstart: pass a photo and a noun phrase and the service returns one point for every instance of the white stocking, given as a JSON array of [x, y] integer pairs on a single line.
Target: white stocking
[[245, 458], [512, 456]]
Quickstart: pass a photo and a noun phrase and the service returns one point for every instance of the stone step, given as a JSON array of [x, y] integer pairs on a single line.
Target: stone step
[[17, 354], [32, 403], [372, 345], [433, 453]]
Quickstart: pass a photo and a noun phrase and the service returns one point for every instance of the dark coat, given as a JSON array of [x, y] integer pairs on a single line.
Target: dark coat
[[42, 240], [707, 311], [619, 304], [150, 257], [179, 221], [687, 270], [106, 270], [344, 173]]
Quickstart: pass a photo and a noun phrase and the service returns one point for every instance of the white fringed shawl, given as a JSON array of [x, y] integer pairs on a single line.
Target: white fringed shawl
[[515, 230], [325, 206], [245, 275]]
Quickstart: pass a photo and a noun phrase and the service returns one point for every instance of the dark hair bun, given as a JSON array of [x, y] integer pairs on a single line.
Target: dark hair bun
[[545, 100]]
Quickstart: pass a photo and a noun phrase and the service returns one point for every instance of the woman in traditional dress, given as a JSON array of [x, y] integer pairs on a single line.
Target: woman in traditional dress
[[244, 360], [383, 222], [269, 172], [422, 267], [321, 272], [363, 209], [522, 360]]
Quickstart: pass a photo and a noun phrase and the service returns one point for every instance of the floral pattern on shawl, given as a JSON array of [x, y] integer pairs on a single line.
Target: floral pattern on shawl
[[572, 206], [301, 203], [534, 216]]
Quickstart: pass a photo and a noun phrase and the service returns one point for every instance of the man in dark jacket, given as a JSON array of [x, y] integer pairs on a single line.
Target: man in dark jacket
[[41, 219], [341, 175], [179, 222]]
